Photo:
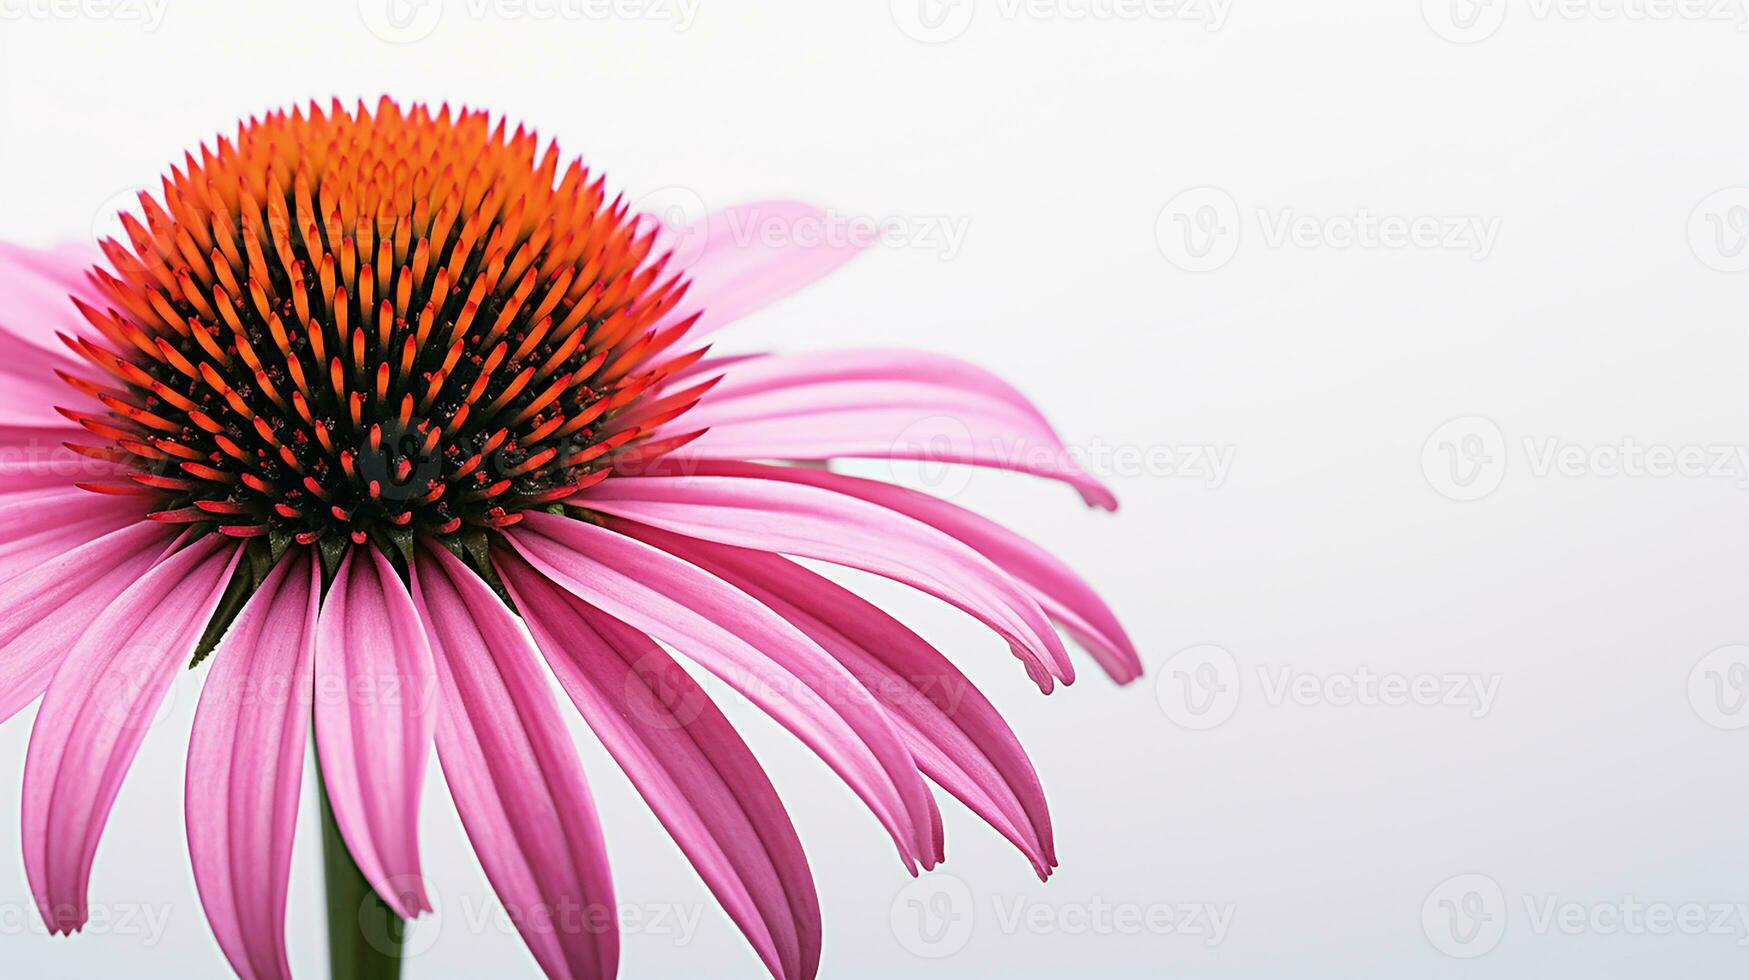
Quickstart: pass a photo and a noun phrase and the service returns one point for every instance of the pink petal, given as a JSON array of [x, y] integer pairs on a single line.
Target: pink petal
[[35, 286], [98, 709], [29, 387], [887, 404], [710, 367], [689, 764], [246, 764], [809, 522], [956, 734], [37, 525], [1064, 595], [375, 716], [746, 258], [773, 372], [751, 648], [515, 775], [44, 609], [35, 457]]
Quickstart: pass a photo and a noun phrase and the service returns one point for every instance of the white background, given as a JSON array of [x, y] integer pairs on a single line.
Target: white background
[[1601, 315]]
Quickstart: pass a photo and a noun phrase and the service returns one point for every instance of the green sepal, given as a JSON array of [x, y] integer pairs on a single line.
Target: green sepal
[[333, 551], [474, 548], [454, 547], [402, 539], [278, 543], [245, 579], [260, 561], [477, 547]]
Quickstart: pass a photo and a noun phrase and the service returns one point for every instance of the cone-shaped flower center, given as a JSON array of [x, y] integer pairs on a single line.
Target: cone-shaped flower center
[[356, 324]]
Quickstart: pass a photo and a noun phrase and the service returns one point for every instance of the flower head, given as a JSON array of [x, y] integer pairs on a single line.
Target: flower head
[[349, 326], [400, 406]]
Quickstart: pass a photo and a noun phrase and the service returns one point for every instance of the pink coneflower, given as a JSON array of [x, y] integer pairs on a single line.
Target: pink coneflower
[[410, 413]]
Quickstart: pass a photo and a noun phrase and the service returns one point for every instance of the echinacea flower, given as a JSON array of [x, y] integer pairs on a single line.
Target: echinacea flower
[[410, 414]]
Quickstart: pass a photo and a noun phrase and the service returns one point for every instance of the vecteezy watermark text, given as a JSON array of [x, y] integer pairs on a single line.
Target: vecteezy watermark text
[[142, 921], [938, 915], [149, 14], [410, 21], [691, 225], [1202, 687], [943, 234], [941, 21], [1201, 230], [1474, 21], [1466, 916], [1467, 458]]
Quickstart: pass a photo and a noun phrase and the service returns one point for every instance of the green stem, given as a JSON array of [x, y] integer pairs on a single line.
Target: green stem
[[365, 936]]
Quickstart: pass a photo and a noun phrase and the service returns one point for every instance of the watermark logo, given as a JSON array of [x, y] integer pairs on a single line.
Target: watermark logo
[[1465, 916], [113, 215], [928, 452], [662, 695], [1465, 459], [401, 21], [934, 916], [1198, 230], [387, 934], [1718, 688], [131, 692], [1718, 230], [683, 215], [1199, 687], [1464, 21], [933, 21]]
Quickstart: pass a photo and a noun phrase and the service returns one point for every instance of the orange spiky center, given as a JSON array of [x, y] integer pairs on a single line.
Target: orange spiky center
[[353, 324]]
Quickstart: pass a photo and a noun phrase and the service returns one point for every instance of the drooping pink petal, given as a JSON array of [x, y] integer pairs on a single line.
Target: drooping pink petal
[[98, 709], [36, 309], [375, 717], [885, 404], [246, 764], [44, 609], [956, 734], [35, 457], [774, 372], [1064, 595], [37, 525], [745, 258], [688, 762], [35, 286], [29, 387], [751, 648], [810, 522], [515, 775], [711, 367]]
